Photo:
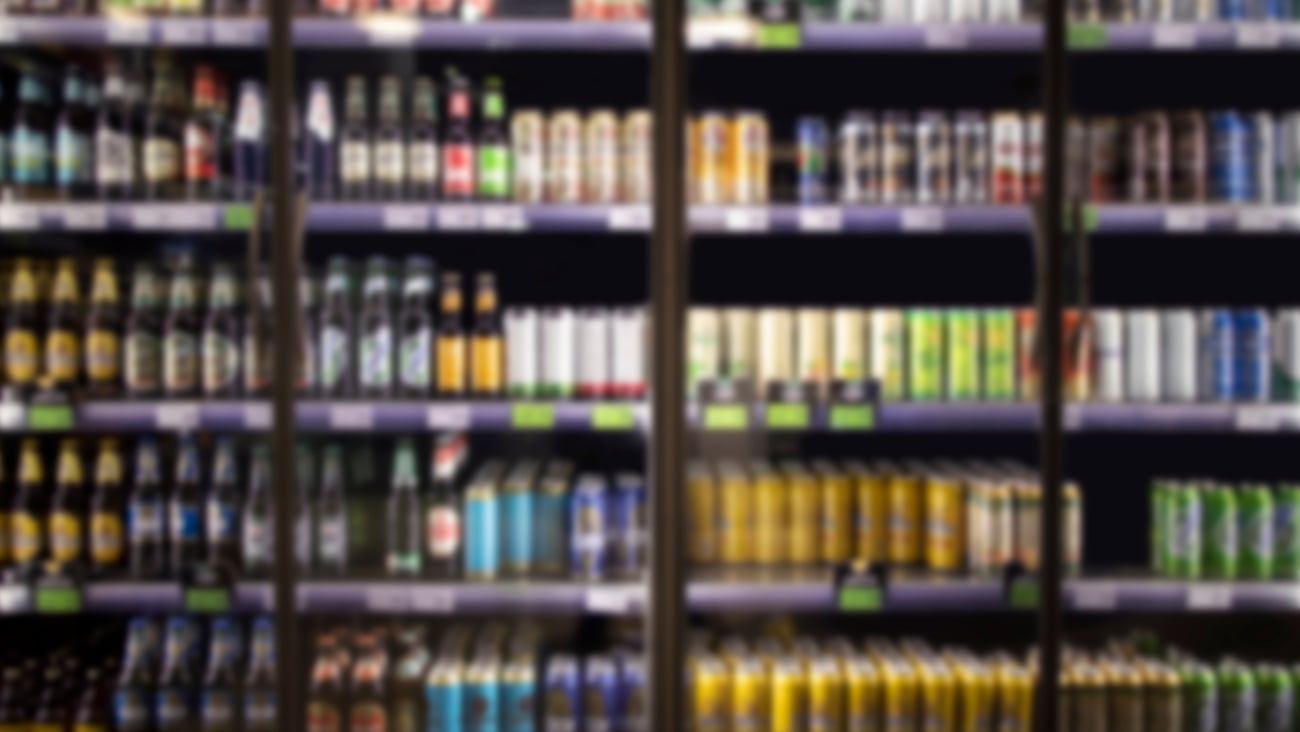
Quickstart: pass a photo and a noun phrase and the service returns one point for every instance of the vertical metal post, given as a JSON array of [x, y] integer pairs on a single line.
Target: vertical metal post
[[665, 620], [284, 266], [1049, 321]]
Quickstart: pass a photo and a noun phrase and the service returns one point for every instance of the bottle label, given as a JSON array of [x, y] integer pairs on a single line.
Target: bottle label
[[488, 363], [333, 540], [320, 114], [162, 162], [322, 716], [200, 153], [423, 162], [106, 537], [71, 156], [368, 717], [416, 355], [377, 357], [259, 708], [131, 710], [390, 161], [494, 171], [172, 708], [180, 362], [114, 157], [458, 169], [248, 123], [183, 522], [102, 355], [144, 520], [444, 532], [355, 162], [142, 362], [30, 155], [451, 364], [62, 355], [25, 531], [220, 362], [222, 521], [65, 536], [333, 356], [20, 356], [256, 541], [217, 708]]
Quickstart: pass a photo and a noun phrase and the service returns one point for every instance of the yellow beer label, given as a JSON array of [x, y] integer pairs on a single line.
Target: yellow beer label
[[65, 536], [20, 356], [103, 355], [25, 536], [106, 537], [451, 363], [62, 355], [65, 283], [487, 363]]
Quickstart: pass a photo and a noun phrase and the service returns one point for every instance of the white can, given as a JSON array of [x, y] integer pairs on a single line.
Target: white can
[[813, 348], [594, 380], [1108, 324], [522, 353], [848, 344], [527, 155], [1178, 355], [564, 157], [1286, 355], [1142, 355], [1008, 157], [775, 348], [636, 145], [600, 157], [559, 353], [628, 358], [888, 352], [738, 345], [703, 347]]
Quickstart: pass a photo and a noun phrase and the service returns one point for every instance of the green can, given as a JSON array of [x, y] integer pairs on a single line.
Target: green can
[[925, 354], [1184, 531], [1220, 532], [1255, 516], [999, 325], [1286, 532], [1276, 699], [963, 367], [1160, 511], [1236, 698], [1200, 698]]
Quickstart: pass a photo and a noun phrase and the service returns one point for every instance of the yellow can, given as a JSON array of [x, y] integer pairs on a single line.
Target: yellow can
[[870, 509], [944, 524], [901, 696], [702, 519], [712, 179], [735, 515], [789, 696], [709, 694], [749, 695], [864, 695], [977, 691], [749, 157], [771, 514], [805, 515], [939, 693], [836, 501], [905, 517], [825, 695], [1015, 698]]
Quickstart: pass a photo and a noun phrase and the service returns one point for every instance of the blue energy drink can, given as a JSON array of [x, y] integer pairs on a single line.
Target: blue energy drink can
[[551, 520], [562, 710], [589, 527], [518, 690], [483, 523], [519, 501], [601, 706], [1231, 169], [1216, 367], [633, 693], [1253, 366], [483, 694], [812, 138], [627, 516], [444, 694]]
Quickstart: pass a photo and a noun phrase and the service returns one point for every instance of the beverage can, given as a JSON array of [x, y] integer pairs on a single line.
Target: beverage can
[[1217, 354], [771, 514], [775, 347], [1262, 144], [944, 524], [1009, 164], [888, 352], [962, 368], [735, 515], [601, 157], [925, 340], [849, 345], [812, 349], [601, 706], [1072, 528], [825, 695], [870, 514], [1220, 533], [709, 693], [749, 158], [704, 347], [528, 143], [789, 696], [559, 376], [1028, 353], [1142, 351], [1232, 173], [998, 327], [1190, 159], [906, 506], [1286, 355], [1178, 357], [483, 542], [637, 186], [518, 503], [897, 135], [1254, 355], [1255, 515], [859, 158], [970, 149], [1286, 532], [933, 157], [1185, 541], [564, 143], [589, 523], [812, 163], [702, 517], [1108, 327], [562, 705], [805, 514], [551, 520], [712, 135], [836, 498], [594, 354], [628, 352], [522, 327]]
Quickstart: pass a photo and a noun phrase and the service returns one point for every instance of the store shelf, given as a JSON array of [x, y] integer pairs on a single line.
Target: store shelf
[[96, 32], [1157, 595], [136, 217], [416, 597], [815, 591], [135, 597]]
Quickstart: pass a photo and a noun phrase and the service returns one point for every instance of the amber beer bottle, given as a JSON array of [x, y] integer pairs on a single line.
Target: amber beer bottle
[[487, 357], [26, 532], [143, 338], [63, 329], [107, 532], [67, 507], [451, 338], [22, 350], [103, 355]]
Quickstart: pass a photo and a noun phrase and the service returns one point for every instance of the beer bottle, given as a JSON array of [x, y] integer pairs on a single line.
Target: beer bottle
[[368, 697], [487, 360], [355, 166], [143, 357], [307, 334], [26, 530], [259, 686], [202, 179], [132, 708], [92, 713], [416, 323], [256, 539], [51, 712], [22, 349], [107, 537], [458, 146], [72, 142], [375, 354], [451, 338], [331, 515], [336, 368], [174, 703], [67, 507], [318, 142], [218, 705], [220, 344], [221, 509], [161, 155], [493, 144], [103, 332], [258, 345], [408, 681], [325, 698], [184, 506], [63, 328], [422, 149], [390, 142], [404, 514], [114, 159], [302, 525], [29, 138], [145, 514], [444, 510], [180, 342], [250, 140]]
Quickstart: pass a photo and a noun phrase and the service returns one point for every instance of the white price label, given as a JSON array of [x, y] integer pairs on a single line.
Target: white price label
[[186, 217], [128, 32], [406, 218], [84, 217], [1209, 597], [1260, 218], [12, 416], [1257, 35], [8, 33], [946, 36], [388, 599], [390, 31], [19, 216], [449, 417], [234, 33], [351, 417], [257, 416], [1092, 596], [184, 32], [504, 218], [1173, 35], [921, 219], [629, 218], [179, 417], [14, 598], [435, 600], [746, 218], [1258, 418], [821, 218], [608, 600], [1186, 218], [458, 218]]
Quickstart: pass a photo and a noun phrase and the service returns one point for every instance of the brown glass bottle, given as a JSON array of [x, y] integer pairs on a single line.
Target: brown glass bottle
[[487, 358], [451, 338]]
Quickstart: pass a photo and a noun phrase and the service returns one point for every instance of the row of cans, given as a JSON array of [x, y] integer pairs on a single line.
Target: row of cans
[[1201, 528], [566, 157], [838, 686], [944, 516], [1157, 156], [534, 520], [603, 692], [563, 352], [1000, 11]]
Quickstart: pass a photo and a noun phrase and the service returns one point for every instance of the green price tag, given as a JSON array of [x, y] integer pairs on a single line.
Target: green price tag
[[860, 599], [1087, 35], [207, 600], [532, 416], [237, 217], [49, 417], [853, 417], [1089, 218], [726, 417], [780, 36], [787, 416], [1024, 594], [613, 417], [58, 600]]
